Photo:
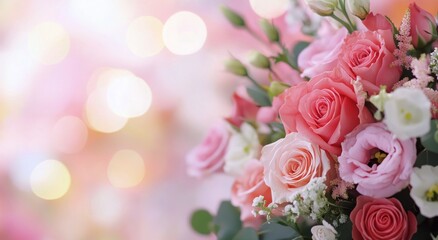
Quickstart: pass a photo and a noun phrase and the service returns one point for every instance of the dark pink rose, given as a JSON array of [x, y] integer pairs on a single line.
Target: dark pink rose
[[422, 26], [376, 22], [358, 163], [208, 157], [247, 187], [375, 219], [243, 109], [324, 110], [369, 55]]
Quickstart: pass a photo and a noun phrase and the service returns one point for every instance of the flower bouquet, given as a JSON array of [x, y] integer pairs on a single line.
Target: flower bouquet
[[350, 150]]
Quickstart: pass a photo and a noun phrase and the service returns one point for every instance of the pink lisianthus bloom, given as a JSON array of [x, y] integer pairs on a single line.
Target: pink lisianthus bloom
[[379, 163], [322, 54], [423, 25], [243, 109], [369, 55], [247, 187], [382, 219], [208, 156], [324, 110], [291, 163]]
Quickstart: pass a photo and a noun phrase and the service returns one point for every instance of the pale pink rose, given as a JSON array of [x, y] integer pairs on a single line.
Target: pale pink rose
[[291, 163], [208, 157], [324, 110], [374, 22], [322, 54], [247, 187], [369, 55], [243, 109], [358, 164], [423, 24], [382, 219]]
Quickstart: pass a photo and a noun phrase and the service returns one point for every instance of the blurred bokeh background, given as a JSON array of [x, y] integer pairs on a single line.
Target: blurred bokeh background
[[99, 102]]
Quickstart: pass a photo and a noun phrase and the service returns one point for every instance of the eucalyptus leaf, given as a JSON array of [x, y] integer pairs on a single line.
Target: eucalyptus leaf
[[276, 231], [427, 158], [429, 140], [227, 221], [246, 234], [259, 96], [202, 222]]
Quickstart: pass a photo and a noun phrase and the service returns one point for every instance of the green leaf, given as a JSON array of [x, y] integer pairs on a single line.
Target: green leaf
[[259, 96], [427, 158], [246, 234], [298, 48], [276, 231], [429, 140], [227, 221], [202, 222], [345, 230]]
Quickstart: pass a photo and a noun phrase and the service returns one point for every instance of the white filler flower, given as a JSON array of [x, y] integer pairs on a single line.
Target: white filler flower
[[407, 113], [424, 182], [242, 147], [323, 232]]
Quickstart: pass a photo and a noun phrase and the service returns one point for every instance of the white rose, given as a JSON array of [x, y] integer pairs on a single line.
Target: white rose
[[322, 7], [323, 232], [424, 182], [407, 113], [242, 147]]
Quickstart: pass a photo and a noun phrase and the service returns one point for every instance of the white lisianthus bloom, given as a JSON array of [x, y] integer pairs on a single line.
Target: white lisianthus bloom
[[242, 147], [322, 7], [407, 113], [323, 232], [424, 182], [359, 8]]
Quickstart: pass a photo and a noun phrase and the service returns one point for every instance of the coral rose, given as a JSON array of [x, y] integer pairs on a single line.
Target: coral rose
[[324, 110], [369, 55], [375, 219], [291, 163], [378, 162], [208, 157], [247, 187]]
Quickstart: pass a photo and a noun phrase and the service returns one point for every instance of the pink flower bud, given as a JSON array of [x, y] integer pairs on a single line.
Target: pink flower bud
[[423, 26]]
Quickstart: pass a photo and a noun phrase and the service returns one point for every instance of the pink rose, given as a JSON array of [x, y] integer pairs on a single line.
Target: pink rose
[[378, 162], [369, 55], [242, 109], [375, 219], [247, 187], [291, 163], [322, 54], [208, 157], [376, 22], [324, 110], [422, 26]]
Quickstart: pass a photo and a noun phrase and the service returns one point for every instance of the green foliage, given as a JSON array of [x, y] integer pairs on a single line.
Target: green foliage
[[430, 140], [270, 30], [345, 231], [202, 222], [259, 96], [277, 231], [227, 221], [246, 234], [427, 158]]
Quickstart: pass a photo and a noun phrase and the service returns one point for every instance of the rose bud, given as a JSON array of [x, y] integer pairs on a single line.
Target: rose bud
[[235, 67], [259, 60], [322, 7], [359, 8], [423, 26]]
